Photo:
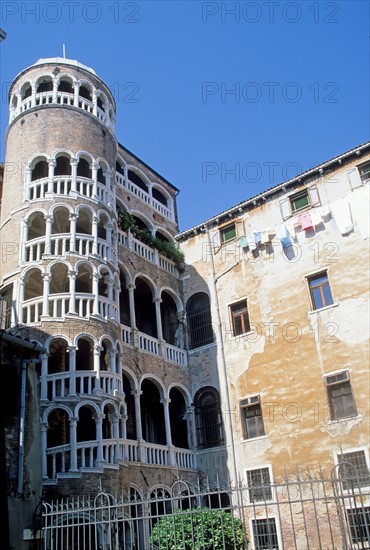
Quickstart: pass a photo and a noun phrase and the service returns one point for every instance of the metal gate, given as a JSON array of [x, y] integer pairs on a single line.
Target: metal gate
[[300, 513]]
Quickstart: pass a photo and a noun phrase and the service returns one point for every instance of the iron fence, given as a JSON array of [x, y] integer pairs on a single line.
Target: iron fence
[[304, 512]]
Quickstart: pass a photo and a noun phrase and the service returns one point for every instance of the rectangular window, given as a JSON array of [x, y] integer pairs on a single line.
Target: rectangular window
[[299, 201], [353, 470], [265, 534], [340, 397], [6, 298], [320, 290], [228, 233], [252, 420], [364, 170], [259, 485], [240, 318], [359, 525]]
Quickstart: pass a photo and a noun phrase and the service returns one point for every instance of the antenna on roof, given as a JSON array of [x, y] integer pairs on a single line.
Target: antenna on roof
[[64, 51]]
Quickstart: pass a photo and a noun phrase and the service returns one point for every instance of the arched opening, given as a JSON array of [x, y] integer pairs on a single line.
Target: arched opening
[[157, 195], [144, 308], [66, 85], [119, 168], [103, 283], [26, 91], [61, 222], [107, 425], [58, 361], [84, 168], [84, 279], [85, 92], [102, 230], [152, 414], [136, 513], [137, 180], [84, 222], [179, 427], [44, 85], [33, 284], [100, 175], [63, 166], [124, 305], [208, 418], [130, 404], [59, 281], [86, 428], [199, 320], [57, 435], [105, 356], [161, 505], [36, 226], [40, 170], [84, 355], [169, 318]]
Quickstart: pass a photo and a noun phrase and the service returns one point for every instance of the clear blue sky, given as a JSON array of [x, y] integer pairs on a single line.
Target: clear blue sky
[[224, 99]]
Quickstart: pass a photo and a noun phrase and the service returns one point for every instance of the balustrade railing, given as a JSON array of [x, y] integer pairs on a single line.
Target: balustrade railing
[[59, 458], [144, 196], [152, 345], [65, 185]]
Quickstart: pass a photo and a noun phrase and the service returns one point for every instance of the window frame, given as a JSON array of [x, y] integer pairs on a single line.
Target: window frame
[[318, 275], [359, 167], [296, 196], [335, 384], [249, 403], [355, 512], [233, 315], [208, 420], [263, 487], [348, 487], [258, 520], [222, 231]]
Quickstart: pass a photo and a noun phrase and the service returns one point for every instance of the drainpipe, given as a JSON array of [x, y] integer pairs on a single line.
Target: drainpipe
[[22, 415], [223, 359]]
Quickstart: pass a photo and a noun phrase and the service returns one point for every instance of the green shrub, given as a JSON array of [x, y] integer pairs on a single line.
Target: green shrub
[[200, 529]]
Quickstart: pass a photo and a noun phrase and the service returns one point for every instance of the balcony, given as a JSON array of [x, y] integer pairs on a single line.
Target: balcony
[[132, 188], [64, 185], [148, 344], [127, 450], [145, 251]]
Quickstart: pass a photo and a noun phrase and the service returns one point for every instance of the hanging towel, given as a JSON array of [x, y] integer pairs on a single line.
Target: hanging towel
[[305, 221], [316, 217], [342, 215], [257, 236], [359, 201], [324, 211], [283, 234], [266, 235], [251, 242], [243, 242]]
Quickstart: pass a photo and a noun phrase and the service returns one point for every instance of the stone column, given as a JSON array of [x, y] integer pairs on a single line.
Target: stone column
[[72, 228], [44, 371], [52, 165], [44, 439], [76, 94], [73, 442], [95, 290], [72, 292], [94, 229], [74, 163], [94, 177], [167, 422], [99, 437], [97, 350], [28, 176], [117, 454], [72, 371], [131, 301], [24, 240], [157, 302], [48, 228], [46, 292]]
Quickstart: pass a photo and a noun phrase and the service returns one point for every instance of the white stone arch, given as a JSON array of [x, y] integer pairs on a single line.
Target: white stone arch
[[140, 173], [85, 207], [111, 403], [43, 74], [53, 407], [149, 281], [23, 86], [85, 155], [157, 486], [162, 190], [102, 267], [35, 210], [103, 164], [121, 161], [53, 337], [128, 277], [164, 232], [143, 218], [110, 340], [89, 404], [183, 390], [87, 83], [85, 262], [41, 268], [37, 157], [138, 489], [131, 377], [66, 76], [86, 336], [61, 153], [174, 296], [101, 212], [50, 266], [156, 381], [61, 205]]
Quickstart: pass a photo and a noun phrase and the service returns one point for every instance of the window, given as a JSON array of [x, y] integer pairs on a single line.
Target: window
[[240, 318], [208, 418], [297, 202], [359, 524], [320, 290], [259, 485], [265, 534], [6, 300], [252, 421], [353, 470], [199, 320], [228, 233], [364, 170], [341, 401]]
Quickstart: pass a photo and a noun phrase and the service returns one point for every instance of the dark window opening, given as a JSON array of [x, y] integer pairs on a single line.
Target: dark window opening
[[359, 525], [65, 86], [259, 485], [240, 318], [353, 470], [199, 321], [63, 167], [85, 92], [169, 319], [84, 356], [251, 413], [26, 92], [40, 170], [130, 404], [208, 418], [86, 427], [299, 201], [340, 396], [100, 176], [179, 428], [152, 414], [83, 169], [45, 86], [228, 233], [6, 303], [364, 170], [265, 534], [124, 304], [145, 308], [157, 195], [134, 178], [119, 169]]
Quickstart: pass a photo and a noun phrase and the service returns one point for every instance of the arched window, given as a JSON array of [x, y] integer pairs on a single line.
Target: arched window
[[40, 170], [137, 180], [199, 320], [208, 418]]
